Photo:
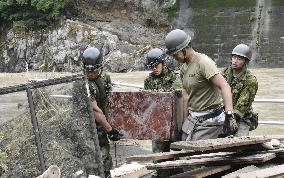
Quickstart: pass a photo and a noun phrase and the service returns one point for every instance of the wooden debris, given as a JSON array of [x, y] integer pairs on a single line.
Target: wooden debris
[[243, 170], [246, 159], [275, 171], [211, 155], [52, 172], [133, 170], [175, 154], [184, 153], [221, 155], [219, 143], [160, 156], [278, 151], [202, 172]]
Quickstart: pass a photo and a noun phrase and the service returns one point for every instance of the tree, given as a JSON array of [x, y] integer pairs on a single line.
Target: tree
[[30, 13]]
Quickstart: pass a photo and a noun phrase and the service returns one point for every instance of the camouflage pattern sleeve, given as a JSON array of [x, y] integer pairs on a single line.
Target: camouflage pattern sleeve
[[93, 90], [165, 83], [181, 73], [147, 84], [243, 104], [107, 81]]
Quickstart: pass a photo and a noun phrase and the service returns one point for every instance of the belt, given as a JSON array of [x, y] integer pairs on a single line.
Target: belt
[[215, 113]]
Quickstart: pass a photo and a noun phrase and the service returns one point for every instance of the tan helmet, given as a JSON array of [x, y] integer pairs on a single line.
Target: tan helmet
[[242, 50], [176, 40]]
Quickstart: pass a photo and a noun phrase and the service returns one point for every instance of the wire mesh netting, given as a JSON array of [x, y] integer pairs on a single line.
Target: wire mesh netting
[[68, 138], [18, 148]]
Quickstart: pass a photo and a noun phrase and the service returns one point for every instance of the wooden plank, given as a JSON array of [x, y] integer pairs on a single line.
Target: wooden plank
[[52, 172], [278, 151], [243, 170], [160, 156], [246, 159], [219, 143], [202, 172], [133, 170], [184, 153], [275, 171], [211, 155]]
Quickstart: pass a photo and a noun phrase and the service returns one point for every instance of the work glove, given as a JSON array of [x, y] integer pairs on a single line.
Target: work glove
[[114, 135], [230, 125]]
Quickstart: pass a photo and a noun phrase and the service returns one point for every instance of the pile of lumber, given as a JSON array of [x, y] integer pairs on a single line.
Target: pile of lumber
[[231, 157]]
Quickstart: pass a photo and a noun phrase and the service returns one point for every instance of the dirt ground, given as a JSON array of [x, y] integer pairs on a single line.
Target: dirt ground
[[271, 86]]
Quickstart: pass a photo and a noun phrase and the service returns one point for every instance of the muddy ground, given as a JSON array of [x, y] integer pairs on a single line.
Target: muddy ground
[[271, 86]]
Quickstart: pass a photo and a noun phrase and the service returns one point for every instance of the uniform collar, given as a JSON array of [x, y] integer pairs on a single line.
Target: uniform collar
[[242, 74]]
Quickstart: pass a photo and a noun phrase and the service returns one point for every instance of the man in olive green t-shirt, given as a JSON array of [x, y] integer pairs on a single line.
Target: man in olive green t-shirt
[[208, 98]]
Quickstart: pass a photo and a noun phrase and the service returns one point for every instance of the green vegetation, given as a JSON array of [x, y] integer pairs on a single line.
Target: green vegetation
[[30, 14], [172, 11]]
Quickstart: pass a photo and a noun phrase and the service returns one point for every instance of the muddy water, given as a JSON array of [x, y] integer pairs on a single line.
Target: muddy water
[[271, 86]]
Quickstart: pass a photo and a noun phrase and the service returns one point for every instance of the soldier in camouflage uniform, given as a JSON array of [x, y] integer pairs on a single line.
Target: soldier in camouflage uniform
[[100, 87], [160, 79], [244, 87]]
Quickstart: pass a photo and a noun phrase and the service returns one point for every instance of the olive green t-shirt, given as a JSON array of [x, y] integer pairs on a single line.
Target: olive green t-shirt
[[195, 76]]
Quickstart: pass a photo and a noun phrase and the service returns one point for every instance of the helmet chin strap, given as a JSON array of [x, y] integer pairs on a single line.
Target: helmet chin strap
[[184, 54]]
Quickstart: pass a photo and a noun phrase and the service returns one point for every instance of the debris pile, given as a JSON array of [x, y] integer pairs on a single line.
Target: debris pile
[[230, 157]]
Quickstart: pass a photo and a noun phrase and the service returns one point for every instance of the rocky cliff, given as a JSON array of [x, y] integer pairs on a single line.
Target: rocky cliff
[[127, 29]]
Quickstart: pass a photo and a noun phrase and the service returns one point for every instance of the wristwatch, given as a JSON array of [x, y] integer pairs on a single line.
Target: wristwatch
[[229, 113]]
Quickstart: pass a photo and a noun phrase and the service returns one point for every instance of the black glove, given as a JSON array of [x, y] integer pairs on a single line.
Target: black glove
[[230, 125], [114, 135]]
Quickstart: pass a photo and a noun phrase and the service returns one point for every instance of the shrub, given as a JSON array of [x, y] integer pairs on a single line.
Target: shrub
[[30, 14]]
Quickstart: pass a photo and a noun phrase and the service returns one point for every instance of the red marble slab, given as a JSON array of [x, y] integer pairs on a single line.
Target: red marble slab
[[142, 115]]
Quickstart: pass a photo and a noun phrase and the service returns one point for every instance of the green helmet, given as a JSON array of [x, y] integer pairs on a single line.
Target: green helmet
[[154, 57], [176, 40], [92, 59], [242, 50]]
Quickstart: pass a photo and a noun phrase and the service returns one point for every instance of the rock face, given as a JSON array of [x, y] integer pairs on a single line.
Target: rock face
[[118, 27], [127, 29], [61, 49]]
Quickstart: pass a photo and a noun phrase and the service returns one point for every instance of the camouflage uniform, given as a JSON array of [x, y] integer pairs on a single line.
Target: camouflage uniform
[[166, 82], [244, 88], [100, 89]]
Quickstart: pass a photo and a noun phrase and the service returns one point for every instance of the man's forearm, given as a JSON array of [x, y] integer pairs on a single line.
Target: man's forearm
[[100, 117], [185, 103], [101, 120], [227, 97]]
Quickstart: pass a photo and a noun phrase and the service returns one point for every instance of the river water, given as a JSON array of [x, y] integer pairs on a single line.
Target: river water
[[271, 86]]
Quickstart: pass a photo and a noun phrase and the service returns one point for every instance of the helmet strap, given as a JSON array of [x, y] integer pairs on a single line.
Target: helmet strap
[[184, 54]]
